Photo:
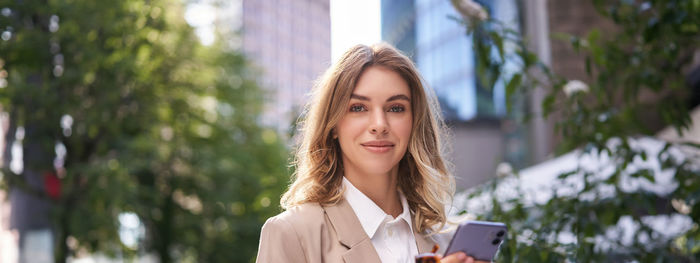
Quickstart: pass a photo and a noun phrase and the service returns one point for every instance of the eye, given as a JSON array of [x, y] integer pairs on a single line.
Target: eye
[[397, 108], [357, 108]]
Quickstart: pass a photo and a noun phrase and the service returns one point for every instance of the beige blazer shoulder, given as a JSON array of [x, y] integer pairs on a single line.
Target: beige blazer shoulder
[[314, 233]]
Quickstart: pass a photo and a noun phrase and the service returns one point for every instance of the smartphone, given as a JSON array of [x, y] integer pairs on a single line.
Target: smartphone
[[479, 239]]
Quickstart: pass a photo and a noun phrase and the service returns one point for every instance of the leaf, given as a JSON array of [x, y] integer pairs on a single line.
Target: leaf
[[689, 28], [589, 72], [548, 104], [566, 174], [529, 58], [498, 40], [647, 174], [513, 84], [593, 36]]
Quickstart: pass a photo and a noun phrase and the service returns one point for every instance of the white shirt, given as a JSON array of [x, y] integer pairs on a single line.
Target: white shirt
[[392, 237]]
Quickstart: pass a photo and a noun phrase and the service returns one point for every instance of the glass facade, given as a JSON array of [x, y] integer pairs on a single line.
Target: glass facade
[[444, 53], [398, 24]]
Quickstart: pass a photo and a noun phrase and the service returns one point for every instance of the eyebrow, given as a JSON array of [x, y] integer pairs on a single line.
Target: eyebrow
[[392, 98]]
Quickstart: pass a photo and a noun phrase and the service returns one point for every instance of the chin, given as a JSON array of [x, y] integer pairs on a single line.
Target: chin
[[378, 166]]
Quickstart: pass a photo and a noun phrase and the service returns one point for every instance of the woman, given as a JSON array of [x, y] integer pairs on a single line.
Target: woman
[[371, 183]]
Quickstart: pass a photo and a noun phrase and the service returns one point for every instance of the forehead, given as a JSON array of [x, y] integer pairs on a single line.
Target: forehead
[[381, 82]]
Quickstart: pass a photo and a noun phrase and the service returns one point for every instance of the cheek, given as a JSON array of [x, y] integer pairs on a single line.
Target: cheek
[[347, 129], [403, 128]]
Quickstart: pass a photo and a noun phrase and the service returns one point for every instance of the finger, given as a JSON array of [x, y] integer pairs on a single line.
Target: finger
[[473, 260], [458, 257]]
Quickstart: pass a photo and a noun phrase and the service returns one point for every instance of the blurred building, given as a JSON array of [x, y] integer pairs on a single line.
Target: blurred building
[[579, 18], [482, 135], [290, 42], [399, 24]]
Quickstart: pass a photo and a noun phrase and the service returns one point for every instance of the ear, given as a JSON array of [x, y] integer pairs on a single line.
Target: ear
[[334, 133]]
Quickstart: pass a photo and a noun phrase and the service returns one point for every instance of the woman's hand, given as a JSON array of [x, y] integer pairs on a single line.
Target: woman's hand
[[460, 257]]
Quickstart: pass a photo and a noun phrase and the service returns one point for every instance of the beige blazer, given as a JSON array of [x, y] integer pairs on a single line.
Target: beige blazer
[[314, 233]]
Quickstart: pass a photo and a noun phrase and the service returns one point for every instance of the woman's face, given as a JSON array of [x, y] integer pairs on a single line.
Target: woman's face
[[375, 130]]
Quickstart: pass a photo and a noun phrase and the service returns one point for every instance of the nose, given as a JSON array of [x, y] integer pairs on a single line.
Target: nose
[[378, 123]]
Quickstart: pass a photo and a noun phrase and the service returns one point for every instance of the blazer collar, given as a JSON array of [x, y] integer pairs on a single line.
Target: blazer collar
[[423, 242], [351, 234]]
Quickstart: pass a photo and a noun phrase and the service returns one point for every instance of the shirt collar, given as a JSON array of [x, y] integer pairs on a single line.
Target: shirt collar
[[406, 214], [369, 214]]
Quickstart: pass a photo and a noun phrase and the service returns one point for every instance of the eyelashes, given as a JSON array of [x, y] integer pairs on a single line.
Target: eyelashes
[[357, 108], [392, 108], [397, 108]]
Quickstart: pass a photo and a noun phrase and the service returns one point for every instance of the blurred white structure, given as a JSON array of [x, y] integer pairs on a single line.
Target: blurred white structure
[[8, 238]]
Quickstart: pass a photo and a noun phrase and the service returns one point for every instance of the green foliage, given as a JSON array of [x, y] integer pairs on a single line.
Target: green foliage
[[163, 127], [637, 73]]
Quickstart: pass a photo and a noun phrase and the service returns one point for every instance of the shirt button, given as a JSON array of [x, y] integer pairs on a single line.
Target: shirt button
[[391, 232]]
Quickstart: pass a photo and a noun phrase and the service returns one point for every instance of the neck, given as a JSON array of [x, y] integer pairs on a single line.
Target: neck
[[382, 189]]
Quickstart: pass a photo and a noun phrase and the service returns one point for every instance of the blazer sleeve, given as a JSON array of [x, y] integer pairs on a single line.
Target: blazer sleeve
[[279, 242]]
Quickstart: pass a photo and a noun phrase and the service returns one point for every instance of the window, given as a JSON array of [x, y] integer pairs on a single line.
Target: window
[[444, 54]]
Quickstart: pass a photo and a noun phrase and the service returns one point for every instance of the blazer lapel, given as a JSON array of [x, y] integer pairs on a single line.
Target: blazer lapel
[[424, 243], [351, 234], [362, 252]]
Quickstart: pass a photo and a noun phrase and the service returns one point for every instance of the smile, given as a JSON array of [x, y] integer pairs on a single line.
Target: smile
[[378, 146]]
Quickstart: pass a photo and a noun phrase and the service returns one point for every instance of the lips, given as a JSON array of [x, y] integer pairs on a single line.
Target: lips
[[378, 146]]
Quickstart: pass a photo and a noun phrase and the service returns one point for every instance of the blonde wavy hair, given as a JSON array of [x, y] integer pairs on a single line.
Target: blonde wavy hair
[[424, 177]]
